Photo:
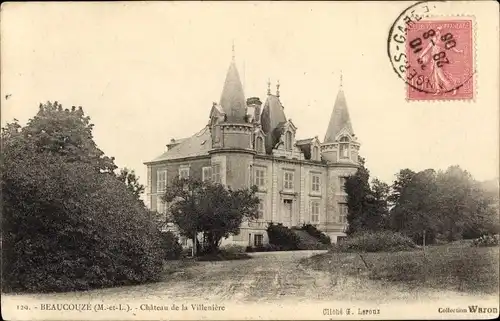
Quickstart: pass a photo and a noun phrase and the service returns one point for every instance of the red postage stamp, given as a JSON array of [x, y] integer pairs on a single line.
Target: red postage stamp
[[442, 55]]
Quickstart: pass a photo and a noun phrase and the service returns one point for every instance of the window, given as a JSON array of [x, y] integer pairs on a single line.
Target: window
[[259, 145], [343, 210], [206, 174], [258, 240], [216, 173], [288, 180], [315, 212], [261, 209], [315, 153], [288, 140], [315, 183], [161, 180], [344, 147], [260, 177], [342, 181], [184, 172]]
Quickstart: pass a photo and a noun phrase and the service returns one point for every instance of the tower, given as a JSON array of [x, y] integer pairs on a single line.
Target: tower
[[340, 151], [340, 144], [231, 127]]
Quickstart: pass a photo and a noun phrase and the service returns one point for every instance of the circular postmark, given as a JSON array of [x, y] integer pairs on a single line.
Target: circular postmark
[[432, 54]]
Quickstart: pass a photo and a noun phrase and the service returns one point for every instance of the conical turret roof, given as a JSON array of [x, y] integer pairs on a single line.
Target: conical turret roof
[[339, 120], [233, 99]]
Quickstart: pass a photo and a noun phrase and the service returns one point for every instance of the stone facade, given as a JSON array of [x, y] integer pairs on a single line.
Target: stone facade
[[299, 181]]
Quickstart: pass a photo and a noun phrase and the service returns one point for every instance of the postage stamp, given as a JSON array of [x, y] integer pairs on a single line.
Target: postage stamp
[[442, 53], [433, 52]]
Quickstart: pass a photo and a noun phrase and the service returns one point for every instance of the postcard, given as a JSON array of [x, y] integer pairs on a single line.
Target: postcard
[[250, 160]]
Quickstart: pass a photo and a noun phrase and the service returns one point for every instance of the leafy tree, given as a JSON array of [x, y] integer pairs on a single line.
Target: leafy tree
[[381, 193], [367, 209], [131, 180], [67, 133], [416, 208], [464, 205], [67, 223], [446, 205], [211, 209], [403, 178]]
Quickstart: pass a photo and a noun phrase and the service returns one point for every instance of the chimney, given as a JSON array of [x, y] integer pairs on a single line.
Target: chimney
[[173, 143]]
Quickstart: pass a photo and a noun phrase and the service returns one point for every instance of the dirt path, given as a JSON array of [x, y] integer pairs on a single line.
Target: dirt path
[[267, 277]]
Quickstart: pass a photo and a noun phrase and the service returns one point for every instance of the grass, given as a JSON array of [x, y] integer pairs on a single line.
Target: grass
[[451, 267]]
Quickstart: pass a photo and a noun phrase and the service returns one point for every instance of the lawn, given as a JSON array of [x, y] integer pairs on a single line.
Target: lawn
[[452, 267]]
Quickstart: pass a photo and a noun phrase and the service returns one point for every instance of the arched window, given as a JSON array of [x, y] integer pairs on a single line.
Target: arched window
[[259, 145], [288, 140], [344, 147], [315, 154]]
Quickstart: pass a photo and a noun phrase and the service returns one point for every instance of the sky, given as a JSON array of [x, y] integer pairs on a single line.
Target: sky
[[149, 72]]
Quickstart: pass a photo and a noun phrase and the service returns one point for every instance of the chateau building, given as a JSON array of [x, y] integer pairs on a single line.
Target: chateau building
[[249, 143]]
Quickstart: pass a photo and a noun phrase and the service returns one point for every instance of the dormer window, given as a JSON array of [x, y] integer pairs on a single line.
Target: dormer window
[[315, 153], [259, 144], [288, 140], [344, 147]]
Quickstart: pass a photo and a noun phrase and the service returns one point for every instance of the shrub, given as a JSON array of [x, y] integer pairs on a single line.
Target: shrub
[[486, 240], [283, 237], [264, 248], [233, 248], [271, 247], [313, 231], [380, 241], [171, 247], [91, 233]]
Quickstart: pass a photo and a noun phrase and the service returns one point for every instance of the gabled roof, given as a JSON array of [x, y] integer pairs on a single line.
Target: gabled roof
[[232, 99], [196, 145], [339, 119]]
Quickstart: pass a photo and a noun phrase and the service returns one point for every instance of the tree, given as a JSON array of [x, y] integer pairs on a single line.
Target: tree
[[381, 193], [128, 177], [367, 209], [403, 178], [67, 133], [416, 209], [68, 223], [465, 206], [211, 209]]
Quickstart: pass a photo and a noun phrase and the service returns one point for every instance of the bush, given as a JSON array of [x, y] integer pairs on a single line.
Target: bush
[[486, 240], [313, 231], [282, 237], [381, 241], [68, 227], [233, 248], [264, 248], [171, 247]]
